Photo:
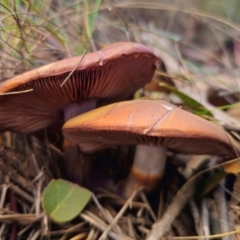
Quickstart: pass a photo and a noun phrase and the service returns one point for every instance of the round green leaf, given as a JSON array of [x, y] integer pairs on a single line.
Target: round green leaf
[[63, 200]]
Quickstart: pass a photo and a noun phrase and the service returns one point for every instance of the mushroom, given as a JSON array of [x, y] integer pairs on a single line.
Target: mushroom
[[154, 126], [111, 74]]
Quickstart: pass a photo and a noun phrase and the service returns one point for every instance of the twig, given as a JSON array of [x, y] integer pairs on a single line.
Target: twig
[[161, 227], [18, 92], [70, 74], [144, 199], [98, 223], [205, 218], [222, 207], [120, 213], [196, 216], [104, 213]]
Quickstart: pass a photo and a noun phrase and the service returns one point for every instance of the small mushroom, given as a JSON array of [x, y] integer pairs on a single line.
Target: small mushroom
[[154, 126]]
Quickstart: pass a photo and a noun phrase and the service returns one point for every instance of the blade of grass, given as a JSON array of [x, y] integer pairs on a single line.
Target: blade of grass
[[91, 16]]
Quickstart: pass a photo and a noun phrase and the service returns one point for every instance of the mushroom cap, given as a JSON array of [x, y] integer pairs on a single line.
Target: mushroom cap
[[112, 73], [148, 122]]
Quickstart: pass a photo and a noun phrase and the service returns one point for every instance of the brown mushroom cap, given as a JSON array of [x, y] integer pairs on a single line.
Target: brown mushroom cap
[[115, 72], [148, 122]]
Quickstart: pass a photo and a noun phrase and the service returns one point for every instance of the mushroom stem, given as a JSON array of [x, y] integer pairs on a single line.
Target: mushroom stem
[[78, 167], [147, 170], [73, 164], [74, 109]]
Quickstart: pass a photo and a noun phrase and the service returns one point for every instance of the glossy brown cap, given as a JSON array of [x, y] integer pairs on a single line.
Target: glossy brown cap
[[115, 72], [153, 122]]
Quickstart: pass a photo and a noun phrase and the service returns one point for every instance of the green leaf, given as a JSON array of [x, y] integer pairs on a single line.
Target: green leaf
[[209, 183], [221, 171], [191, 103], [63, 200]]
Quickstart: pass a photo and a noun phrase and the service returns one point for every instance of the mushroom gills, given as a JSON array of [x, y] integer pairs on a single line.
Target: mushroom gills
[[147, 170]]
